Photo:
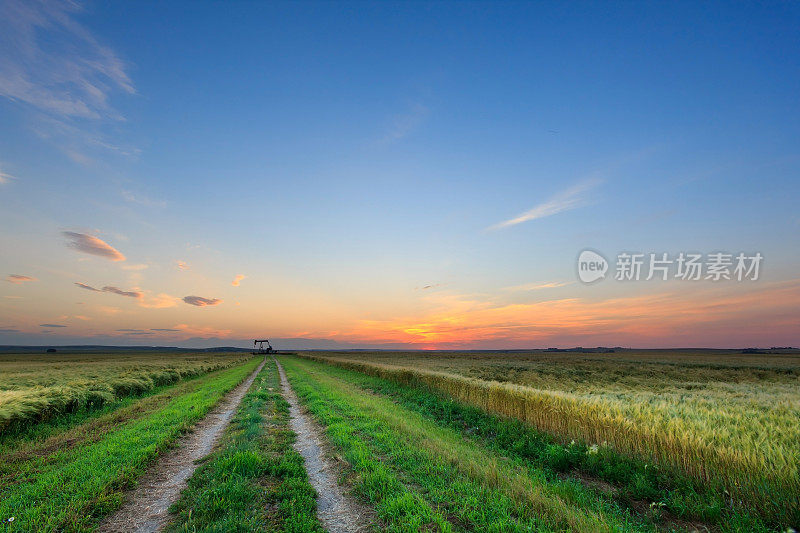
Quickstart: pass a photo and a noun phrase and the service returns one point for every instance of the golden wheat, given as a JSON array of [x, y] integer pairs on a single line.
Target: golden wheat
[[735, 424]]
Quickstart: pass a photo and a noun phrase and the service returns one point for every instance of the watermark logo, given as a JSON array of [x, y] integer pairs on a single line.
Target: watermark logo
[[591, 266], [686, 266]]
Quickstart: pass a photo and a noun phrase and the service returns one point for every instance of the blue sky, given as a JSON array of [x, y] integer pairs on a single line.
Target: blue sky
[[344, 157]]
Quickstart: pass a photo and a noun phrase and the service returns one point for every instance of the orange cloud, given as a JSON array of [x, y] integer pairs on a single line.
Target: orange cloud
[[160, 301], [89, 244], [19, 278], [182, 265], [237, 279]]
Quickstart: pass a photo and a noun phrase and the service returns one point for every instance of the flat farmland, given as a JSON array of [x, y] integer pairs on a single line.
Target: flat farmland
[[407, 441]]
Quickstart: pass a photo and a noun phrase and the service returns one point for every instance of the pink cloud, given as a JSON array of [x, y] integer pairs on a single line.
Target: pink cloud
[[89, 244], [19, 278], [237, 280]]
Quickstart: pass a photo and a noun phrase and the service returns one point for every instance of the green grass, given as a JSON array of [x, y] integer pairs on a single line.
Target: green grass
[[71, 485], [254, 481], [39, 387], [420, 475], [726, 420]]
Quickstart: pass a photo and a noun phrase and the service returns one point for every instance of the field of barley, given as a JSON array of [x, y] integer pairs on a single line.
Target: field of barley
[[40, 386], [727, 420]]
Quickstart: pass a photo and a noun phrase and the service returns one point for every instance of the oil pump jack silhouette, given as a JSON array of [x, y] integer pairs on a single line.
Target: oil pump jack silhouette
[[259, 349]]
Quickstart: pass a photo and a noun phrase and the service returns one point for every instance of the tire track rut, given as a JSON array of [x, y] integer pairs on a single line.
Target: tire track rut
[[337, 510], [146, 508]]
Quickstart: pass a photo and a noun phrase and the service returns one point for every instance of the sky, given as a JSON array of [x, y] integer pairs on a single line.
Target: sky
[[398, 175]]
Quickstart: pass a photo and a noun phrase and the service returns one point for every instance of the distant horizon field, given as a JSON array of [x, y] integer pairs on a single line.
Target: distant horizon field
[[96, 348]]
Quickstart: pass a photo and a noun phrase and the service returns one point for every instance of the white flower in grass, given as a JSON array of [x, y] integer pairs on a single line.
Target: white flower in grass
[[11, 519], [592, 449]]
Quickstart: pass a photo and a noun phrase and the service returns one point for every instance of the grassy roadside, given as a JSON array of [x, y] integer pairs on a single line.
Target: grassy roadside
[[420, 476], [642, 488], [79, 484], [254, 481], [37, 441]]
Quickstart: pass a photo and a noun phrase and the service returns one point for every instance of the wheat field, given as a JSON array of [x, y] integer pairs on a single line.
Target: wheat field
[[726, 419]]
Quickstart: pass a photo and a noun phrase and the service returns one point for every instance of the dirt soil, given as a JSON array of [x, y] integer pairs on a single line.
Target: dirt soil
[[146, 508], [338, 511]]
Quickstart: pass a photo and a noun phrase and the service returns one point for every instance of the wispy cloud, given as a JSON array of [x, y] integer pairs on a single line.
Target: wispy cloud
[[120, 292], [237, 280], [538, 286], [428, 287], [55, 67], [574, 197], [111, 289], [19, 278], [128, 331], [141, 199], [199, 301], [403, 124], [52, 325], [54, 64], [145, 298], [164, 329], [182, 265], [89, 244], [5, 177]]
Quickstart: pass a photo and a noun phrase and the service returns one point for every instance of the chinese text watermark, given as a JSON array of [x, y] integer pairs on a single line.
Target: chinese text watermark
[[686, 266]]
